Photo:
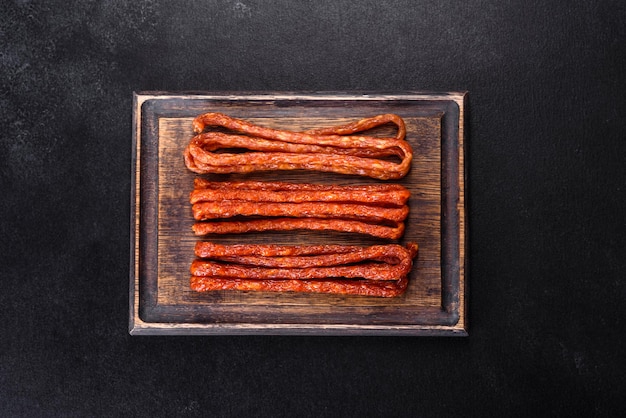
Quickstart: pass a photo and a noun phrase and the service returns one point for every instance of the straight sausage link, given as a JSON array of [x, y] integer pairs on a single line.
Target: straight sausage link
[[386, 198], [203, 183], [390, 254], [292, 224], [229, 208], [211, 249], [341, 287], [208, 249], [371, 271]]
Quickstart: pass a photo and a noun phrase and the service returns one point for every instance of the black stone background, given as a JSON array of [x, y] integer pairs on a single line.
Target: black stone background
[[547, 182]]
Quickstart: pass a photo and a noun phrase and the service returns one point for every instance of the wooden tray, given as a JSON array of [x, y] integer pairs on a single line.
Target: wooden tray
[[162, 241]]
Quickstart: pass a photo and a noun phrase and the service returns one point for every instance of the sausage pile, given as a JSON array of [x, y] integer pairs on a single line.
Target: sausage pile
[[378, 210], [332, 149], [234, 207], [378, 270]]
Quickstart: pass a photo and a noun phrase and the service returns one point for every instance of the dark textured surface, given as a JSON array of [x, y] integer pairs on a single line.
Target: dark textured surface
[[547, 184]]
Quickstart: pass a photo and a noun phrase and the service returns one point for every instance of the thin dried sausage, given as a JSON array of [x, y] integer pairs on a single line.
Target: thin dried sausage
[[343, 287], [230, 208], [209, 249], [219, 119], [203, 183], [291, 224], [363, 125], [371, 271], [371, 197], [302, 256]]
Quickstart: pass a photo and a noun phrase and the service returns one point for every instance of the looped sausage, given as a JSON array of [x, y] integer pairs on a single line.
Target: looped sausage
[[318, 150], [380, 270]]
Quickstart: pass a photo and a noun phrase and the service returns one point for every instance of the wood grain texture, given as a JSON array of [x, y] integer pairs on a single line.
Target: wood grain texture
[[161, 301]]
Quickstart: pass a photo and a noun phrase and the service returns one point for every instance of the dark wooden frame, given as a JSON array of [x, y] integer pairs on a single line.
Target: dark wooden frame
[[150, 316]]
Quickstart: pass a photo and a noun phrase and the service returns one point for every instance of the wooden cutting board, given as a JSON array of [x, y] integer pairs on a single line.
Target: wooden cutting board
[[162, 241]]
